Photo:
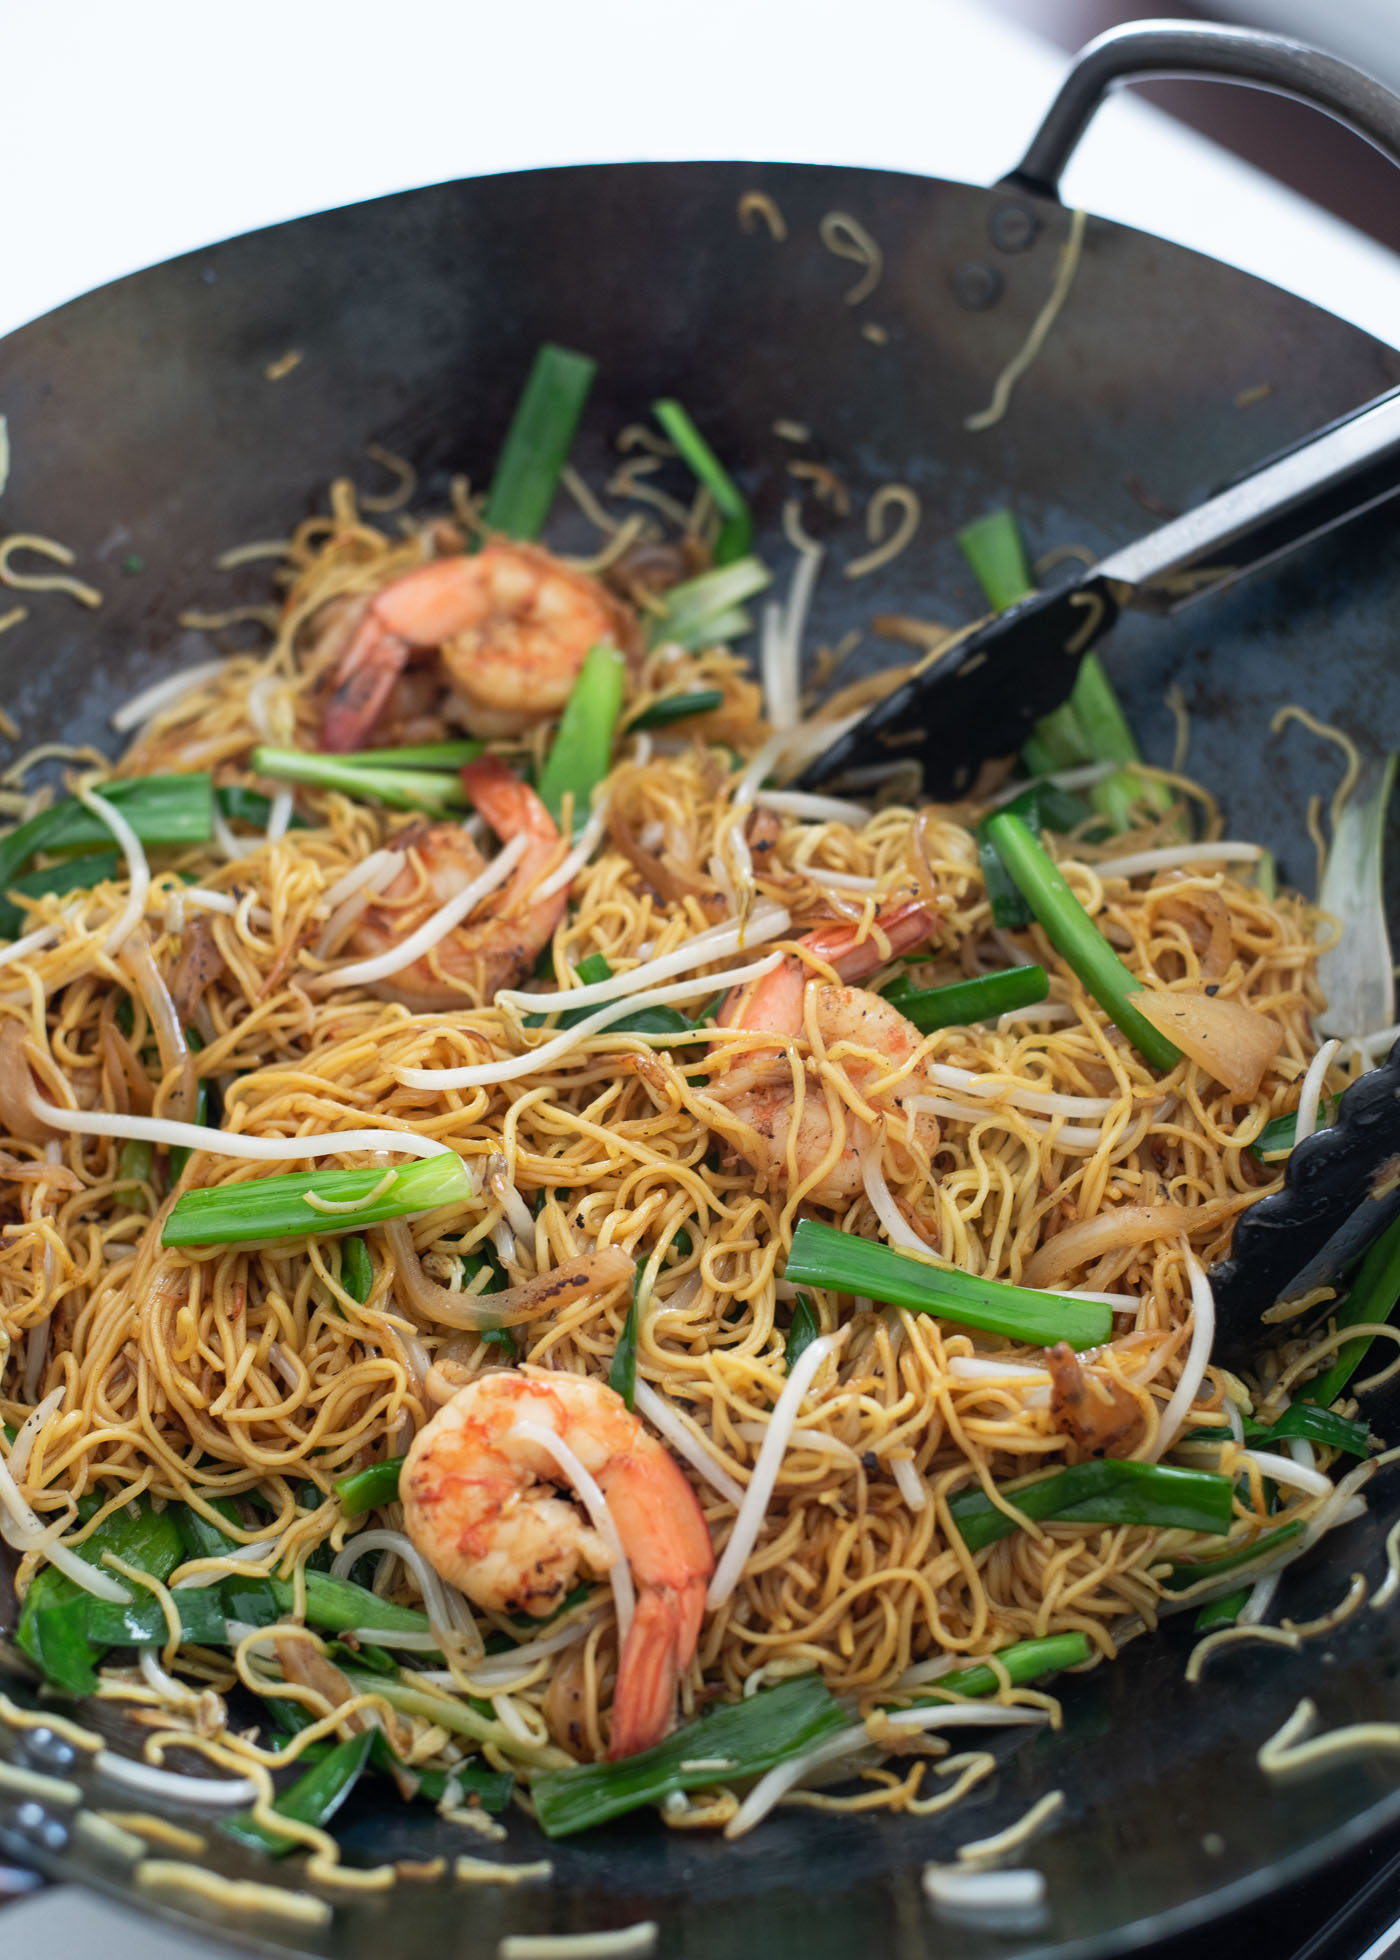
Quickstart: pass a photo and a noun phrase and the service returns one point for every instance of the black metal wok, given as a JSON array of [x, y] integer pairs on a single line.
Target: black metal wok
[[143, 427]]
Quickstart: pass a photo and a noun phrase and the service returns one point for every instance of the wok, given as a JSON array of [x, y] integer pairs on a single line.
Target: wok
[[143, 426]]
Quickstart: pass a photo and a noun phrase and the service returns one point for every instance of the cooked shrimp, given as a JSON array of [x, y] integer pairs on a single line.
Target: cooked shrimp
[[1101, 1417], [506, 933], [511, 623], [873, 1041], [478, 1505]]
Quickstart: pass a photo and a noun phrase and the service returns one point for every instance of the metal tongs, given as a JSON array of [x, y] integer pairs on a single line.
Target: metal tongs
[[979, 700], [994, 685]]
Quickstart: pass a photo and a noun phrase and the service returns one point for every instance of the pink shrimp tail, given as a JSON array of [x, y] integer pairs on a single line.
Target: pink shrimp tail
[[507, 804], [364, 681], [775, 1001], [659, 1646]]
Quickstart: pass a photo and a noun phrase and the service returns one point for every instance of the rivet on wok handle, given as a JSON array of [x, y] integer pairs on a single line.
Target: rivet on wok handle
[[976, 285], [1012, 228], [1181, 49]]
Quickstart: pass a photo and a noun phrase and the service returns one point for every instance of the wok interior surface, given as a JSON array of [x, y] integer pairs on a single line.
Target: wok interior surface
[[143, 425]]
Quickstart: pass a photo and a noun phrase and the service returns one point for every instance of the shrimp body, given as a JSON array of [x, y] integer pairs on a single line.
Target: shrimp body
[[511, 624], [480, 1502], [873, 1040], [506, 932]]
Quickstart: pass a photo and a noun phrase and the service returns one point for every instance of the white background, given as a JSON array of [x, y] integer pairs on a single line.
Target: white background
[[134, 129]]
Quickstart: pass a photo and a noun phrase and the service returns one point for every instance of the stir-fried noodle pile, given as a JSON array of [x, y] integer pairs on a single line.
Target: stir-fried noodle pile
[[242, 1379]]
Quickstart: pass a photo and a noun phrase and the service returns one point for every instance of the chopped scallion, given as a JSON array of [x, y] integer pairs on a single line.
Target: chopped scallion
[[367, 1490], [77, 874], [964, 1002], [842, 1263], [677, 707], [736, 532], [993, 548], [581, 752], [276, 1207], [538, 442], [1075, 936], [1104, 1491], [1374, 1292], [160, 809], [1025, 1660], [314, 1798], [802, 1331], [622, 1375], [438, 792], [752, 1735], [700, 612], [356, 1269], [1191, 1572]]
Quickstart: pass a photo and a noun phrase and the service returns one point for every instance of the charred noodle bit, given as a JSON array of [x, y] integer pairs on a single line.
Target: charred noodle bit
[[655, 1051]]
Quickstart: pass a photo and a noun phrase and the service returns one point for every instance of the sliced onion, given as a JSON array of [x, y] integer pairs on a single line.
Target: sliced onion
[[1228, 1039], [589, 1272], [17, 1087], [170, 1036], [1110, 1231]]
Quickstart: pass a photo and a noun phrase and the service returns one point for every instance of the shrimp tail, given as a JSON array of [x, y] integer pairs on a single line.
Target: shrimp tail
[[364, 681], [659, 1645]]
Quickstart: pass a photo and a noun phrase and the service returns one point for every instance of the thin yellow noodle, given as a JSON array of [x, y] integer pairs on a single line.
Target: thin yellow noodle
[[891, 495], [86, 595], [846, 238], [402, 491], [1022, 360], [757, 207]]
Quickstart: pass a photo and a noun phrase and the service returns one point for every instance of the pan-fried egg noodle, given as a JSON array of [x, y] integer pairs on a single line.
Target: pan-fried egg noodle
[[573, 1272]]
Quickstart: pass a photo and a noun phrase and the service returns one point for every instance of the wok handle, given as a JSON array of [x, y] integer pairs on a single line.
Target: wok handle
[[1174, 50]]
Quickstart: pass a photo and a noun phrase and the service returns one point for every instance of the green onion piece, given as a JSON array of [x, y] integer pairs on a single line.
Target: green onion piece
[[276, 1207], [677, 707], [622, 1375], [314, 1798], [736, 533], [488, 1788], [1042, 807], [438, 792], [367, 1490], [698, 612], [753, 1735], [1025, 1661], [993, 548], [643, 1020], [1100, 716], [53, 1621], [421, 755], [1075, 936], [965, 1001], [135, 1163], [160, 809], [78, 874], [822, 1256], [337, 1605], [1038, 757], [180, 1152], [1299, 1419], [250, 806], [356, 1269], [1104, 1491], [581, 752], [142, 1623], [1373, 1295], [1191, 1572], [1266, 873], [803, 1330], [538, 442], [1276, 1139], [1222, 1612], [1059, 742]]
